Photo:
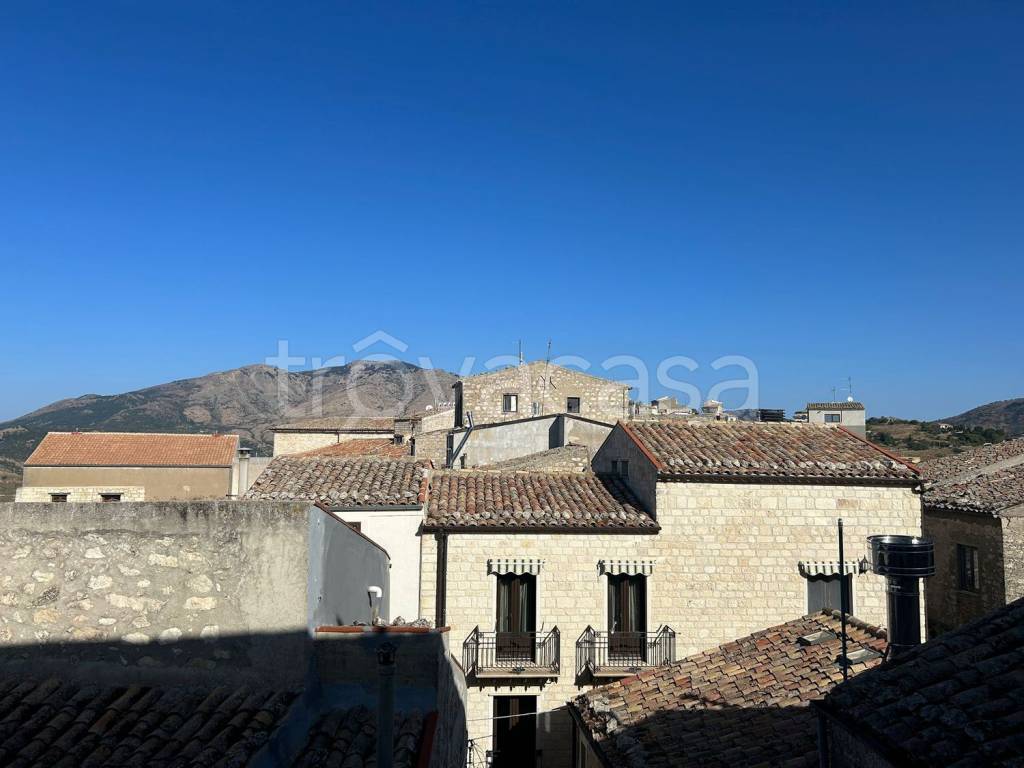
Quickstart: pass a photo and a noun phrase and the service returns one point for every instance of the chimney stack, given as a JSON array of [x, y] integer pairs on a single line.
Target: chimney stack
[[904, 561]]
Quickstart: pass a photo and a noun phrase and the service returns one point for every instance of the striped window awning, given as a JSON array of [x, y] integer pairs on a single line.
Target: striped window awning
[[514, 565], [810, 569], [615, 567]]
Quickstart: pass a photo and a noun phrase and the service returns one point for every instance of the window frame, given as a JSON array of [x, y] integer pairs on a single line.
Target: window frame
[[510, 402], [850, 602], [967, 564], [569, 405], [58, 498], [110, 498], [833, 418]]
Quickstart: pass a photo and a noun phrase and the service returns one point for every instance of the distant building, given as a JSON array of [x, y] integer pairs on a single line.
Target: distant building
[[309, 434], [769, 415], [712, 409], [133, 466], [848, 413], [800, 416], [741, 703], [974, 512], [668, 404], [954, 701]]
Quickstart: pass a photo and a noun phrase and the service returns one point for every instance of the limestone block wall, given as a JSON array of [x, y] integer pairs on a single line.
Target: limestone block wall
[[725, 566], [948, 605], [80, 493], [433, 446], [1013, 556], [547, 386]]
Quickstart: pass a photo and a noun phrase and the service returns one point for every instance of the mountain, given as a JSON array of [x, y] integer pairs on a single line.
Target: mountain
[[1006, 415], [246, 401]]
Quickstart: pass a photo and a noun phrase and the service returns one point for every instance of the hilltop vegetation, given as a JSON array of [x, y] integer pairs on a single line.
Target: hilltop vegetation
[[929, 439]]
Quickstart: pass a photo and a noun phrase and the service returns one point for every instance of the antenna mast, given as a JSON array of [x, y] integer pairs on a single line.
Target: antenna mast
[[547, 375]]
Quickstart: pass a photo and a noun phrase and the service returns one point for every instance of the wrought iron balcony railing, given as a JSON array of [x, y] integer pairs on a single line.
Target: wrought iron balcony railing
[[512, 654], [615, 654]]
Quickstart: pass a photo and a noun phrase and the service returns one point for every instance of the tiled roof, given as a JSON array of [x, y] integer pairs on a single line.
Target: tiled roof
[[133, 449], [340, 424], [988, 479], [956, 700], [844, 405], [353, 482], [740, 451], [369, 446], [742, 703], [60, 724], [567, 458], [532, 500], [55, 723]]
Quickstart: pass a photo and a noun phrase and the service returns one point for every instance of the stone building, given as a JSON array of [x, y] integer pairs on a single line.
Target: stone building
[[688, 535], [132, 466], [848, 413], [211, 633], [382, 497], [310, 434], [539, 389], [954, 701], [746, 702], [974, 512]]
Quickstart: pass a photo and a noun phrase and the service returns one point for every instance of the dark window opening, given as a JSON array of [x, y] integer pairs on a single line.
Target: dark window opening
[[620, 467], [458, 404], [627, 617], [515, 621], [967, 567], [515, 732], [509, 403], [833, 418], [572, 405], [59, 498], [108, 497], [824, 594]]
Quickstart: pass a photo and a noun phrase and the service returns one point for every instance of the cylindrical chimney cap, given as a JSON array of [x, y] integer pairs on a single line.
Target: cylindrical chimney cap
[[902, 556]]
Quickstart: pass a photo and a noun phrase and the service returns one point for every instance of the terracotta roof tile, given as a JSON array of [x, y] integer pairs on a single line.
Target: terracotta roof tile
[[752, 451], [742, 703], [988, 479], [340, 424], [370, 446], [532, 500], [953, 700], [133, 449], [347, 737], [339, 481]]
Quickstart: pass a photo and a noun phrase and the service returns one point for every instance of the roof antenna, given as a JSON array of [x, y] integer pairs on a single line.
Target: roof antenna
[[520, 351]]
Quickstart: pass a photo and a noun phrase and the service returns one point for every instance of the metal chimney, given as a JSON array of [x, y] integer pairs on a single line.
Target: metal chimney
[[904, 561]]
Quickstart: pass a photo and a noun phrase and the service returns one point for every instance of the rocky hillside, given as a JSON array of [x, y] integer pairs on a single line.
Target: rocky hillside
[[1005, 415], [245, 401]]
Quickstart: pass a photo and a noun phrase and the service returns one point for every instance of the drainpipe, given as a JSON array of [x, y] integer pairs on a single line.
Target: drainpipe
[[441, 589], [386, 705], [462, 443]]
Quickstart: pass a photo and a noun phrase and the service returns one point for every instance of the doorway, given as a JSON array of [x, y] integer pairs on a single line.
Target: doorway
[[515, 732]]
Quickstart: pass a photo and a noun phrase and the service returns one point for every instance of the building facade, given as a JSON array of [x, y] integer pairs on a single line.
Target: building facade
[[638, 565], [130, 466], [974, 512]]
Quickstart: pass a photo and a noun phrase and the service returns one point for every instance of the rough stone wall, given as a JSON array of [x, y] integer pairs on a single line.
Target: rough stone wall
[[726, 566], [948, 606], [1013, 557], [296, 442], [125, 582], [641, 477], [80, 493], [569, 458], [508, 440], [600, 399], [433, 446], [435, 420]]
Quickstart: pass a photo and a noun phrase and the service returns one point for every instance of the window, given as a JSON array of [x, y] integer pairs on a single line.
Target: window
[[58, 498], [823, 594], [967, 567], [572, 405], [620, 467], [627, 616], [833, 418], [108, 497], [516, 617], [509, 403]]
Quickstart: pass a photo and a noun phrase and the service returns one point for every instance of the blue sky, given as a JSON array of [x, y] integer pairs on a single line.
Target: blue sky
[[830, 190]]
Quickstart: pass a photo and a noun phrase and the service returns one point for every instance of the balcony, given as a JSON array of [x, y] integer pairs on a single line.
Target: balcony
[[617, 654], [511, 654]]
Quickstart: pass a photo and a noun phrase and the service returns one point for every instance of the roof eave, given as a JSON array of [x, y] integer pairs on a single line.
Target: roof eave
[[559, 529], [691, 477]]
